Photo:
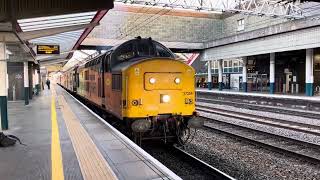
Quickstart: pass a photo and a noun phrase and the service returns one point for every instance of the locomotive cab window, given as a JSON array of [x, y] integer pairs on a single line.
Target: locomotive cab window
[[145, 48], [126, 52], [162, 51]]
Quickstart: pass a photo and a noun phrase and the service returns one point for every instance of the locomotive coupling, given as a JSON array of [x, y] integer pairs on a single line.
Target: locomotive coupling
[[195, 121], [141, 125]]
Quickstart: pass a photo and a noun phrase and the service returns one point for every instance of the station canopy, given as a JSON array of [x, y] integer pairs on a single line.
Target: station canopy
[[67, 31], [50, 22], [274, 8], [58, 23], [79, 57]]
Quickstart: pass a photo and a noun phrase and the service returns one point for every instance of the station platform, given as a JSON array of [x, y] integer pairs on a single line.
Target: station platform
[[311, 103], [261, 94], [65, 140]]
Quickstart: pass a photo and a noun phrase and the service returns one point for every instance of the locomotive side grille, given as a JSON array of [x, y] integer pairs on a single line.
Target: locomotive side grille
[[116, 81]]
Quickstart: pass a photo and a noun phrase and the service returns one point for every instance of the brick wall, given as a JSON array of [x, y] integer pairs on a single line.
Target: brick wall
[[256, 26], [212, 31], [118, 24], [251, 23]]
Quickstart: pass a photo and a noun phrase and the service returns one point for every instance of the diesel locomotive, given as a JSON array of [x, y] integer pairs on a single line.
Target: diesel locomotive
[[141, 84]]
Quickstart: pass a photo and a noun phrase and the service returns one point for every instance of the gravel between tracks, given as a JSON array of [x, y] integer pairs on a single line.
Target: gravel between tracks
[[183, 169], [245, 161], [266, 114], [265, 128]]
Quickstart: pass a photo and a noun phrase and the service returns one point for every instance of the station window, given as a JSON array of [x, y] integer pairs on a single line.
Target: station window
[[240, 25], [232, 66], [226, 66], [215, 67], [235, 66]]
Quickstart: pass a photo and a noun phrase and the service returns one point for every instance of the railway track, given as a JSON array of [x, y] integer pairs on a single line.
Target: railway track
[[190, 166], [295, 148], [216, 173], [266, 108], [274, 122], [184, 164]]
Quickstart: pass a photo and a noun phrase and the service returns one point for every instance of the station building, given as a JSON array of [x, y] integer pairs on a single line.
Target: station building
[[231, 74], [263, 54]]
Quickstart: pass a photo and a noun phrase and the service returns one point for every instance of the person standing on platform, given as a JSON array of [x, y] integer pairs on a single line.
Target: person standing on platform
[[48, 83]]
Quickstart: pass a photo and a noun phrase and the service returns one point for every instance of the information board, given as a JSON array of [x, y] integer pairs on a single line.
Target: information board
[[48, 49]]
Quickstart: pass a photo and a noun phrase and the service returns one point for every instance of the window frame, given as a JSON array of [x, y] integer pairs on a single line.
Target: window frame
[[240, 24]]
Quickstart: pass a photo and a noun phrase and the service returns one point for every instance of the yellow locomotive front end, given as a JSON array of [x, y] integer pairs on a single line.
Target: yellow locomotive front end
[[159, 98], [156, 87]]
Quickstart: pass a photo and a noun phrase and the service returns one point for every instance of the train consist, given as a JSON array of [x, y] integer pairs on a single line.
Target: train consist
[[141, 84]]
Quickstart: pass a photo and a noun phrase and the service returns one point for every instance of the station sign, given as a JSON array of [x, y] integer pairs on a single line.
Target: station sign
[[47, 49]]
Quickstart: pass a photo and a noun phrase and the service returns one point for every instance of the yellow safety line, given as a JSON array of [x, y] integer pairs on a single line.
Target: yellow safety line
[[56, 157], [92, 163]]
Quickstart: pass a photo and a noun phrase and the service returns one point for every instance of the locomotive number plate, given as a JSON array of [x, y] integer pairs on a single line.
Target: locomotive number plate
[[187, 93], [137, 71]]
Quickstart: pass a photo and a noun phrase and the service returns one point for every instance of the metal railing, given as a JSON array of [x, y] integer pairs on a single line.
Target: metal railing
[[273, 8]]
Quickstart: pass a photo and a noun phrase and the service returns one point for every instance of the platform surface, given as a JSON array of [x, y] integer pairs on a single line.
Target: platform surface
[[259, 94], [89, 149]]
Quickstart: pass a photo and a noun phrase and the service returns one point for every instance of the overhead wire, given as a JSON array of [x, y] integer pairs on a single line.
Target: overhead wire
[[252, 25], [140, 11], [136, 18], [138, 26], [139, 16], [143, 23], [260, 22], [150, 20]]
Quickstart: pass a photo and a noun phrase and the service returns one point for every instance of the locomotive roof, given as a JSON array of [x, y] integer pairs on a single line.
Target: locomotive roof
[[127, 64], [137, 40], [133, 50]]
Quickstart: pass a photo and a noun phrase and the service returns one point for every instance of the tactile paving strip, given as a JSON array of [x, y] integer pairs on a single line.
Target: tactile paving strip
[[92, 164]]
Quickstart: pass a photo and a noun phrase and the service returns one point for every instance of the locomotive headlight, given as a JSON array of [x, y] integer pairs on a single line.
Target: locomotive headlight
[[165, 98], [135, 102], [177, 80], [152, 80]]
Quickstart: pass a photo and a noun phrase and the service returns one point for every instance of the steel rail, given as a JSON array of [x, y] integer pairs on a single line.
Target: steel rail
[[173, 149], [263, 143], [274, 122], [196, 161], [259, 107], [129, 143]]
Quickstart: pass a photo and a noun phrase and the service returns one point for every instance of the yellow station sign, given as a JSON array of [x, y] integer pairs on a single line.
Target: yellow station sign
[[48, 49]]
